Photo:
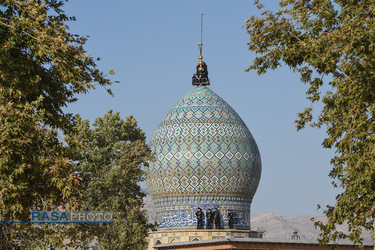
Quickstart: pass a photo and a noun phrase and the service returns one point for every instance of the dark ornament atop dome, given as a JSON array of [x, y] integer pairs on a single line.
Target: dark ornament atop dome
[[201, 76]]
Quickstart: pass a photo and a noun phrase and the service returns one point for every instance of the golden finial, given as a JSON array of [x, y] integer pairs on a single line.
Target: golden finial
[[201, 75], [200, 45], [200, 63]]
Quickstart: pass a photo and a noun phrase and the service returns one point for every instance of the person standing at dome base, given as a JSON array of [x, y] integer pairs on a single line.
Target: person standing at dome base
[[230, 218], [199, 215], [217, 219], [209, 218]]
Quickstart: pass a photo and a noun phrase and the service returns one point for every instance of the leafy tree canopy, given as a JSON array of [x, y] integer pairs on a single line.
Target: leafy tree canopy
[[42, 69], [109, 159], [317, 39], [39, 57]]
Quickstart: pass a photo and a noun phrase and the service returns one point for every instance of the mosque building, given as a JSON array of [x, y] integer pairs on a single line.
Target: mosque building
[[208, 165], [206, 159]]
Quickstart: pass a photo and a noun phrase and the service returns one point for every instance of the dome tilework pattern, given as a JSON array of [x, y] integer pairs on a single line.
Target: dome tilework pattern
[[205, 157]]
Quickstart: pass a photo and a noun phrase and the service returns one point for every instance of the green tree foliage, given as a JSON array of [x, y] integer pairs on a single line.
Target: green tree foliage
[[42, 69], [110, 165], [39, 57], [35, 174], [336, 39]]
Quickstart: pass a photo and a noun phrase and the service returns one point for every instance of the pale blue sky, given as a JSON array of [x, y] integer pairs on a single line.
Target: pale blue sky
[[152, 47]]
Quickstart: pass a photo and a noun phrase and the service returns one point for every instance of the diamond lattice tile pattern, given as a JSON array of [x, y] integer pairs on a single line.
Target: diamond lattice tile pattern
[[203, 149]]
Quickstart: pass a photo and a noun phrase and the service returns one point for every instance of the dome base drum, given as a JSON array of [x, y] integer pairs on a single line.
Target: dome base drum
[[179, 211]]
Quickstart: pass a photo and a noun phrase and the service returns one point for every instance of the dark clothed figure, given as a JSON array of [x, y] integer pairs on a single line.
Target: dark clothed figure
[[209, 219], [199, 215], [217, 219], [230, 219]]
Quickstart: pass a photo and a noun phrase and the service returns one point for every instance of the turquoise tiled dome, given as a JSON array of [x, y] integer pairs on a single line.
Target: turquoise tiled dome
[[205, 157]]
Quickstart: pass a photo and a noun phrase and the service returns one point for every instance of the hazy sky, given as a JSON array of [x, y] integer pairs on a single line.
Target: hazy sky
[[152, 47]]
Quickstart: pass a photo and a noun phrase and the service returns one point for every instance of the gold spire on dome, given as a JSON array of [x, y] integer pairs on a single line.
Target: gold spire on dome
[[200, 45], [201, 77], [200, 69]]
